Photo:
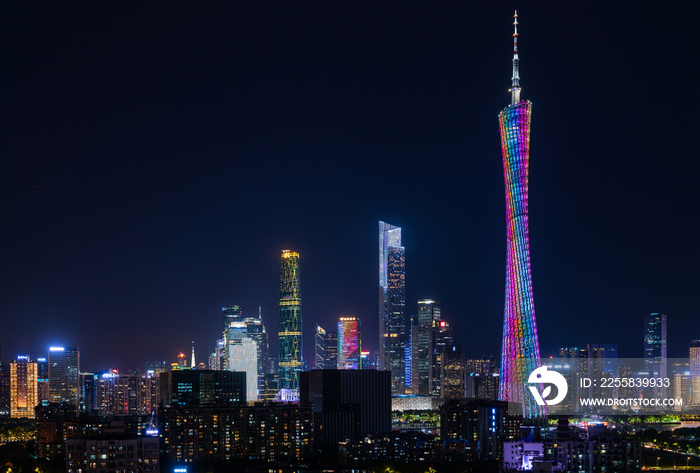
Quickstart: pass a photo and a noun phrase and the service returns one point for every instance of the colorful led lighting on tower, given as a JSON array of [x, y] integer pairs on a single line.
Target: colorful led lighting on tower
[[290, 347], [349, 350], [520, 353]]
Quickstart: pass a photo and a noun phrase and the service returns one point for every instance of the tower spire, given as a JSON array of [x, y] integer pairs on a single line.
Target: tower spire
[[515, 88]]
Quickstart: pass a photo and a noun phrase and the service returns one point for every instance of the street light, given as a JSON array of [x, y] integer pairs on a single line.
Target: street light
[[657, 463]]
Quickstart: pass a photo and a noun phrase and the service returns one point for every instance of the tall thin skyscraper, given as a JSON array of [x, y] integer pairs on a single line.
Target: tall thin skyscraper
[[520, 352], [655, 348], [290, 341], [392, 305], [64, 375]]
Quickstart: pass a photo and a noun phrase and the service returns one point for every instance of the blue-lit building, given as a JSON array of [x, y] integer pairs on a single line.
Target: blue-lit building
[[392, 306]]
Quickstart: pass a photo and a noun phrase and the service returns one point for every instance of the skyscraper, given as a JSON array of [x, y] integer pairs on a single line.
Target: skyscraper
[[349, 345], [255, 329], [320, 348], [440, 343], [655, 348], [695, 371], [326, 349], [655, 344], [421, 331], [290, 341], [241, 337], [64, 375], [392, 305], [23, 387], [520, 352]]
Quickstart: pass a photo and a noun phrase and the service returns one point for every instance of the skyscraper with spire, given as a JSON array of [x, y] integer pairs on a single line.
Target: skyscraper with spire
[[520, 352], [290, 342]]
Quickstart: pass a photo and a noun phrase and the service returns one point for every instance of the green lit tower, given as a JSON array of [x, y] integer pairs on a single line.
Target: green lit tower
[[290, 322]]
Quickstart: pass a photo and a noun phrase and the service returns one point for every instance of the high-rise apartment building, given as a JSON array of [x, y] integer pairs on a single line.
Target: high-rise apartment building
[[392, 305], [64, 375], [520, 352], [290, 340], [23, 387], [421, 356], [349, 344]]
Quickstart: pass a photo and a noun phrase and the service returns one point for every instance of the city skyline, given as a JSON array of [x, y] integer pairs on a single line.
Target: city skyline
[[153, 179]]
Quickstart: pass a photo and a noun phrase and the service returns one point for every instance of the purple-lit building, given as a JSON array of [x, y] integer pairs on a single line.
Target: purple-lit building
[[349, 350], [520, 352]]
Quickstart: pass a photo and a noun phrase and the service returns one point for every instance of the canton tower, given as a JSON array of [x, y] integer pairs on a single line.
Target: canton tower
[[520, 353]]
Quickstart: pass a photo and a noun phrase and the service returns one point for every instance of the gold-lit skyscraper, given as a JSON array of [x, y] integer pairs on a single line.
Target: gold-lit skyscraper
[[23, 387], [290, 343]]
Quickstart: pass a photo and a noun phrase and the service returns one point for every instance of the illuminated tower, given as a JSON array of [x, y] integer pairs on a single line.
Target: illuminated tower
[[23, 387], [349, 349], [520, 353], [392, 305], [290, 348]]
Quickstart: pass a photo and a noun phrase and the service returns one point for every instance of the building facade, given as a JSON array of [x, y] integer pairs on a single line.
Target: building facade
[[262, 431], [392, 306], [347, 404], [290, 328], [204, 388], [112, 455], [520, 351]]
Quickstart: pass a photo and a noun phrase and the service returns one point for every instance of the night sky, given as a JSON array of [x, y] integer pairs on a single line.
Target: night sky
[[156, 158]]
